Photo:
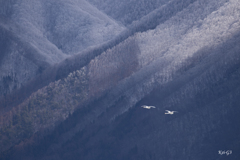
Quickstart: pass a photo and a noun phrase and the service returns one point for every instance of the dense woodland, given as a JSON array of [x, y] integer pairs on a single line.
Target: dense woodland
[[85, 102]]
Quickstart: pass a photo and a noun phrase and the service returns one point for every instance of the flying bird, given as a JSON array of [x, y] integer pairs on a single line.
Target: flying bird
[[170, 112], [148, 107]]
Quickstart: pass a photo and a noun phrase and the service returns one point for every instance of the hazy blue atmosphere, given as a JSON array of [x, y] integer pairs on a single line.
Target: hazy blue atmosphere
[[119, 80]]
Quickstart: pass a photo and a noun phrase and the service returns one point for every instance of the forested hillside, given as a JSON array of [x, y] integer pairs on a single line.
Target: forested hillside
[[175, 55], [127, 11], [38, 34]]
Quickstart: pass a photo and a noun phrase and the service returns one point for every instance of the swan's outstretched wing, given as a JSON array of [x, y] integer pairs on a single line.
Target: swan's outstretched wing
[[148, 107], [167, 110]]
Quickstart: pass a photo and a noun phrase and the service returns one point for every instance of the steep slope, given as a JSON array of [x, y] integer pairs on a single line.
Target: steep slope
[[73, 63], [189, 62], [47, 32], [127, 11], [204, 90], [52, 104]]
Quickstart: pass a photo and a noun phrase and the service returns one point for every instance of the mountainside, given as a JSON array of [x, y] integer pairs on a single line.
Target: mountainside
[[127, 11], [175, 55], [42, 33]]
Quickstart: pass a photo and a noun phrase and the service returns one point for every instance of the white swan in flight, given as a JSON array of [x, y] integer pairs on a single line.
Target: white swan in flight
[[170, 112], [148, 107]]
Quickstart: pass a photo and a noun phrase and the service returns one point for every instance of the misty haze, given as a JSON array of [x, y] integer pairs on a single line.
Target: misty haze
[[119, 79]]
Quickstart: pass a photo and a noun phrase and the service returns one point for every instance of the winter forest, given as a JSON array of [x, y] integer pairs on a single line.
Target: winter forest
[[75, 73]]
